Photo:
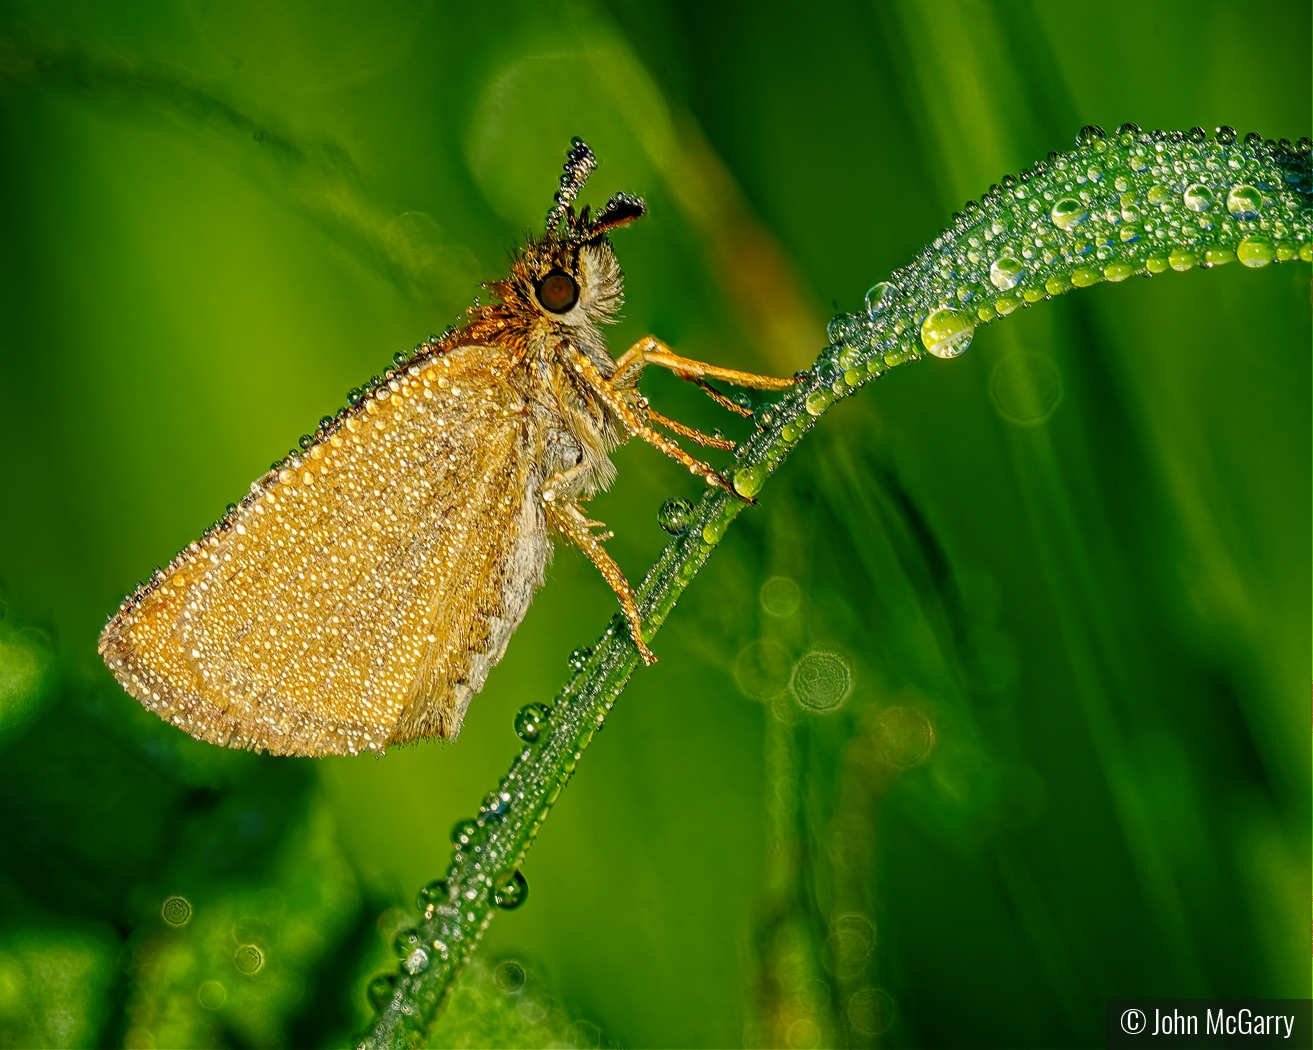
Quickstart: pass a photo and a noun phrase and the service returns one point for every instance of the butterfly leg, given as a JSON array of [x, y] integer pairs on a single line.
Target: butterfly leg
[[692, 433], [651, 351], [568, 517], [622, 404]]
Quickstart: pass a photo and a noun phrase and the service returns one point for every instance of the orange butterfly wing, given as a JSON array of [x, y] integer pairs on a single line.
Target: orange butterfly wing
[[361, 593]]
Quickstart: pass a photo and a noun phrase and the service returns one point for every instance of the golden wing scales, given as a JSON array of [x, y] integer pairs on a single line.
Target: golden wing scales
[[361, 593]]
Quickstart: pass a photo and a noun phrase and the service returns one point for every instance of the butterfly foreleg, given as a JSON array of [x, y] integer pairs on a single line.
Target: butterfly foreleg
[[651, 351]]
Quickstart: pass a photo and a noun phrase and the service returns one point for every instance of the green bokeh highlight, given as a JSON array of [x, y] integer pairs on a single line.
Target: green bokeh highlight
[[1078, 553]]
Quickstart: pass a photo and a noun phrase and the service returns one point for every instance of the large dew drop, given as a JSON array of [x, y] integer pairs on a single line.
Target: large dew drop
[[879, 298], [529, 721], [674, 516], [947, 332], [1006, 273], [1197, 198], [1068, 213], [1244, 202], [510, 890]]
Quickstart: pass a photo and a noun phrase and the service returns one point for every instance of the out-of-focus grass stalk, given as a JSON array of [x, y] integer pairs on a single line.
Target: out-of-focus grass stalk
[[1132, 204]]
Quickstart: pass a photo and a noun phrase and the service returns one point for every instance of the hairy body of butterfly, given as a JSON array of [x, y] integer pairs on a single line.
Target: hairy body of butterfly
[[364, 588]]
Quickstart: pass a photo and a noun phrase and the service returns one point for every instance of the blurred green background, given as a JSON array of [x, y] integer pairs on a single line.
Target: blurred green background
[[1069, 573]]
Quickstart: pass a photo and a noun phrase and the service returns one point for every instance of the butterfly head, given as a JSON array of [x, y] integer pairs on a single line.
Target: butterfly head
[[570, 274]]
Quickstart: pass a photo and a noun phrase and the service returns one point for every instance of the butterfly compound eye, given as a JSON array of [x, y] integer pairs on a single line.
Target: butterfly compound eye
[[558, 292]]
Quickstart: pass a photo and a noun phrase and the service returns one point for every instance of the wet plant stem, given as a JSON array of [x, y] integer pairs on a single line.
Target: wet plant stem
[[1132, 203]]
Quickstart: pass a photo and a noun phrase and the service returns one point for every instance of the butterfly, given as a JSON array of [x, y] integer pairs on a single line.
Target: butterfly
[[361, 592]]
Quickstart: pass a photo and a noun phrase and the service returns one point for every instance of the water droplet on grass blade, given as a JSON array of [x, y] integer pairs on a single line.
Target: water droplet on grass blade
[[464, 834], [880, 297], [1068, 213], [416, 962], [529, 721], [674, 516], [433, 893], [748, 480], [947, 332], [1006, 273], [1256, 251], [1197, 197], [1244, 202], [380, 990], [510, 890], [405, 942]]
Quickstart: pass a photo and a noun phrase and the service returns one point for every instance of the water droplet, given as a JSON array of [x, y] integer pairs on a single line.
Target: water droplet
[[416, 962], [762, 669], [405, 942], [1244, 202], [495, 805], [1084, 276], [947, 332], [1025, 388], [433, 893], [748, 480], [579, 657], [1197, 198], [510, 890], [464, 833], [822, 680], [880, 297], [176, 911], [1068, 213], [529, 721], [249, 959], [1256, 251], [211, 995], [509, 977], [1006, 273], [1181, 260], [381, 989], [780, 596], [675, 515], [818, 401]]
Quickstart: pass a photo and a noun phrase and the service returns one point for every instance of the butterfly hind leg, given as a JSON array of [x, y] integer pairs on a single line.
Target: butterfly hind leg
[[568, 517]]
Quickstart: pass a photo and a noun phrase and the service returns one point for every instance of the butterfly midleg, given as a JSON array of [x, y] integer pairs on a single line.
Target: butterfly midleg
[[568, 517], [692, 433], [651, 351], [634, 423]]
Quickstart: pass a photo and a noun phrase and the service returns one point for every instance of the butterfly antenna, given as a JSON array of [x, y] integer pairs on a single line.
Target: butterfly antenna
[[579, 164]]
